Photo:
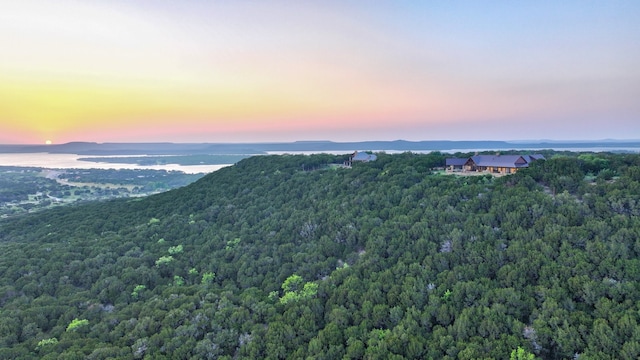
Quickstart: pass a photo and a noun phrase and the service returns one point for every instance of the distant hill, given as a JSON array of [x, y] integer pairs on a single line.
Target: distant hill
[[89, 148], [296, 257]]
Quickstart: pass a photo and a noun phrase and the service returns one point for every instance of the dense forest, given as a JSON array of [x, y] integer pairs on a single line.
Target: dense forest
[[286, 257]]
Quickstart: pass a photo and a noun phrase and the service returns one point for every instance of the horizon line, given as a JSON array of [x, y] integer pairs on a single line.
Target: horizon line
[[516, 141]]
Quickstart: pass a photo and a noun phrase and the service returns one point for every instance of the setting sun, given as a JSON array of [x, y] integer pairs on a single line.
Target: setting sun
[[48, 142]]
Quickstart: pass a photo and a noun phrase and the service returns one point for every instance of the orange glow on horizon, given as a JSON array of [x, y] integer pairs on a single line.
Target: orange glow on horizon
[[114, 71]]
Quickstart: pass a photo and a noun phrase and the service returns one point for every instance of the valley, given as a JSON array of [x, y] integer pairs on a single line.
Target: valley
[[29, 189]]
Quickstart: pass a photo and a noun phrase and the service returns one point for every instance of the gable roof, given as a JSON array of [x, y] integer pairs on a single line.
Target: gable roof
[[456, 161], [511, 161], [533, 157]]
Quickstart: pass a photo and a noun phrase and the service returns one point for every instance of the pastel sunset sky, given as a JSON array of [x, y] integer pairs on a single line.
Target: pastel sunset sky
[[262, 71]]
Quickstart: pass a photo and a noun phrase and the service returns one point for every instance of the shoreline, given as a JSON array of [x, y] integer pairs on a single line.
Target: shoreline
[[71, 161]]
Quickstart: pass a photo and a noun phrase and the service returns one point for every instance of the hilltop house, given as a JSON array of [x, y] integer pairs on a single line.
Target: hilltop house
[[497, 164], [363, 156], [360, 157]]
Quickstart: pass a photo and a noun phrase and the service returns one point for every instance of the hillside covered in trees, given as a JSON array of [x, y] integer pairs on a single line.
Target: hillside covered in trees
[[285, 257]]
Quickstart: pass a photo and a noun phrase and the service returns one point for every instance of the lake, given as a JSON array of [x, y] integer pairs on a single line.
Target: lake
[[70, 161]]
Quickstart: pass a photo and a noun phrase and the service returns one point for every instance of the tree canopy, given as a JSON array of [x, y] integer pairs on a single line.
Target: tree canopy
[[383, 260]]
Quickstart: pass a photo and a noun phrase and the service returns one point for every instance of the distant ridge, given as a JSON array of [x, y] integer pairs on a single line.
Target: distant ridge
[[166, 148]]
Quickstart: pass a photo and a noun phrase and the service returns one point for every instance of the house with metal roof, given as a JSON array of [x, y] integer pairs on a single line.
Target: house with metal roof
[[359, 157], [363, 157], [496, 164], [500, 164]]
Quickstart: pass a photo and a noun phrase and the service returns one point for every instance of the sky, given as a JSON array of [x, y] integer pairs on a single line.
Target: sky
[[279, 71]]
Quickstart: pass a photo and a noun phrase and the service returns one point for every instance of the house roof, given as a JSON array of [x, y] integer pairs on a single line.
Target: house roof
[[456, 161], [511, 161], [533, 157], [363, 156]]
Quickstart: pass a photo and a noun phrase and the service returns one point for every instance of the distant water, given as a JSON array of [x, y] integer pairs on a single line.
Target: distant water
[[70, 161], [633, 150], [309, 152]]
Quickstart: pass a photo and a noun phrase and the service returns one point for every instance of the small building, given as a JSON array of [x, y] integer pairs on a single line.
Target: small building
[[455, 164]]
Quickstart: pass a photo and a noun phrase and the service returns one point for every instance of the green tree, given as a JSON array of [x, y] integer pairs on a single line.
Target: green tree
[[76, 324], [521, 354]]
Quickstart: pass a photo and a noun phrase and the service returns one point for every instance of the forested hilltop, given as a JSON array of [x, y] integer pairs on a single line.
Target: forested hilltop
[[285, 257]]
